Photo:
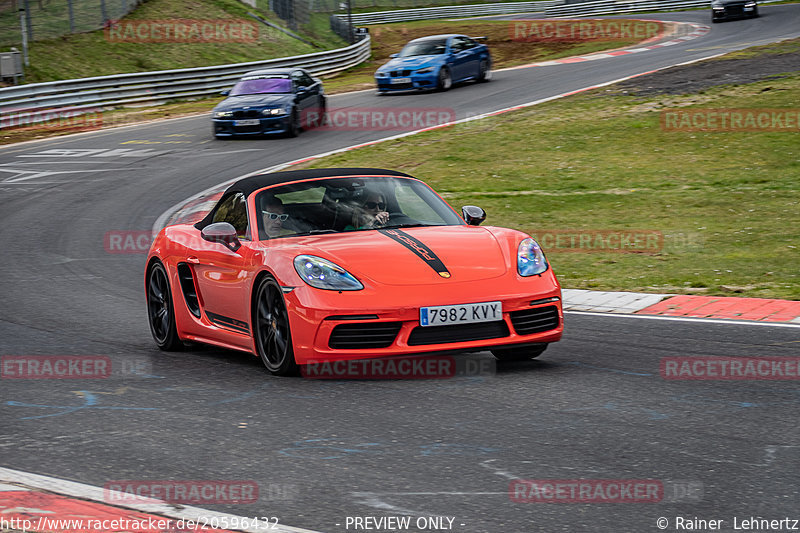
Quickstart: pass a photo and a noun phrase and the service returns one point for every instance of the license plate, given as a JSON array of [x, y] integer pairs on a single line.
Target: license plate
[[247, 122], [443, 315], [400, 80]]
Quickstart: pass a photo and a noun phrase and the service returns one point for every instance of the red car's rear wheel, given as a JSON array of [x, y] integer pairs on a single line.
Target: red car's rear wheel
[[159, 308], [271, 329]]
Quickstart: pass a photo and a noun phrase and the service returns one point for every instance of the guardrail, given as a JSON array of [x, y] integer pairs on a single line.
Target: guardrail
[[159, 86], [608, 7], [470, 10]]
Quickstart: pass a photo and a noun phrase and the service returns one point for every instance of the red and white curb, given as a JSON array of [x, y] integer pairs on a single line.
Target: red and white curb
[[686, 307], [697, 30], [31, 502]]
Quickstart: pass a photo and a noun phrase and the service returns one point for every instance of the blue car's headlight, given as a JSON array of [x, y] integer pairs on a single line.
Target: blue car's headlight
[[381, 75], [425, 70], [275, 111], [223, 114], [530, 258], [323, 274]]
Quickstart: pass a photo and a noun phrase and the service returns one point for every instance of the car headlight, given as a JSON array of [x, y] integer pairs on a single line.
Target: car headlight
[[425, 70], [530, 258], [323, 274], [274, 111], [223, 114], [380, 74]]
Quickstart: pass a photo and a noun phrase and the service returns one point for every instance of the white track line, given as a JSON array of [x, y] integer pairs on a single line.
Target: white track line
[[98, 494], [729, 322]]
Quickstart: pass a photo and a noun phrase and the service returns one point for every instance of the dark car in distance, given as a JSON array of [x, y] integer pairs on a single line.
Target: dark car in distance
[[268, 101], [732, 9]]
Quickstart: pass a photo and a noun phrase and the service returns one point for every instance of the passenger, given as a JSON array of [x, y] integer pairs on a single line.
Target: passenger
[[274, 216]]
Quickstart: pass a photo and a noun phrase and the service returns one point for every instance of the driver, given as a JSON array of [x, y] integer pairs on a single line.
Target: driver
[[371, 213]]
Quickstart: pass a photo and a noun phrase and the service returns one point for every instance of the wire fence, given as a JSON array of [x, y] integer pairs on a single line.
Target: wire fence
[[48, 19]]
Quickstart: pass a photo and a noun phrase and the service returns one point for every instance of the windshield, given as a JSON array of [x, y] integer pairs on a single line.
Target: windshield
[[262, 86], [337, 205], [424, 48]]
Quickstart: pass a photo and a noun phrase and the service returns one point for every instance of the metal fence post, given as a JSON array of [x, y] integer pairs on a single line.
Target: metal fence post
[[71, 17]]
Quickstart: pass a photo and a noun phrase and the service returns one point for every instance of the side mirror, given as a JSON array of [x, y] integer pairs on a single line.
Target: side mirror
[[394, 55], [223, 233], [473, 214], [226, 92]]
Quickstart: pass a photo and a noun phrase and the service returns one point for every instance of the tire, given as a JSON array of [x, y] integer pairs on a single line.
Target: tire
[[293, 129], [322, 110], [522, 353], [160, 309], [444, 81], [484, 71], [271, 331]]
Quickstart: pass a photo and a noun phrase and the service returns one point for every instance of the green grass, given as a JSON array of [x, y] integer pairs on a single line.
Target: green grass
[[727, 203], [91, 54]]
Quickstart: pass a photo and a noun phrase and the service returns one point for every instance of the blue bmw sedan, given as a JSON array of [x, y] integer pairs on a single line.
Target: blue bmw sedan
[[269, 101], [435, 62]]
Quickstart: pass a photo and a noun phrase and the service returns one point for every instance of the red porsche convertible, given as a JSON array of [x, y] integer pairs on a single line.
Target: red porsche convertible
[[312, 266]]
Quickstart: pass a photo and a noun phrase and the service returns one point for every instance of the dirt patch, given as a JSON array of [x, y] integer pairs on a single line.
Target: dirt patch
[[694, 78]]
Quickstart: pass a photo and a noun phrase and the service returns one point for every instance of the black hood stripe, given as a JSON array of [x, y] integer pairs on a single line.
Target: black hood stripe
[[419, 248]]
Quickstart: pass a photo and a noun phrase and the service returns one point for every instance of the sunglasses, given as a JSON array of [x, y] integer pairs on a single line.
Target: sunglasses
[[275, 216], [373, 205]]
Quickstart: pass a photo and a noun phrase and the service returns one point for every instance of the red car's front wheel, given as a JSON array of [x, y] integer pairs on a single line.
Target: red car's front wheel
[[271, 329]]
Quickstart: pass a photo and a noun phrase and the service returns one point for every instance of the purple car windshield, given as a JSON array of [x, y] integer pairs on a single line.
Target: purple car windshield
[[262, 86]]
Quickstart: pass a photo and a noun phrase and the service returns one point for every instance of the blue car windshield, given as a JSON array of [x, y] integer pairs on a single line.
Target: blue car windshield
[[424, 48], [262, 86]]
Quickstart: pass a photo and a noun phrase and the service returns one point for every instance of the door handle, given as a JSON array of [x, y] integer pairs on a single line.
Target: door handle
[[192, 259]]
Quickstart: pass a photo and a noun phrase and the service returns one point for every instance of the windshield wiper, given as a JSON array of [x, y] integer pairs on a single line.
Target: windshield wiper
[[407, 225], [313, 232]]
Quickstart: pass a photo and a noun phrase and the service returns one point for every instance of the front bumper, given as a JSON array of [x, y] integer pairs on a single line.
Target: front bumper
[[229, 127], [415, 81], [334, 327], [733, 11]]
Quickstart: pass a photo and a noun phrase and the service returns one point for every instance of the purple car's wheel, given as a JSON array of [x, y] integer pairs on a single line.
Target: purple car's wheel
[[271, 329], [293, 129], [519, 354], [159, 308]]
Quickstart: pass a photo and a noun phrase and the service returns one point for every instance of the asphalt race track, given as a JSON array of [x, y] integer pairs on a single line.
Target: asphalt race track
[[593, 407]]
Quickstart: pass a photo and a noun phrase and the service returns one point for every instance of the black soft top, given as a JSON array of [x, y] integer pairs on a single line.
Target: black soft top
[[254, 183], [249, 185]]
